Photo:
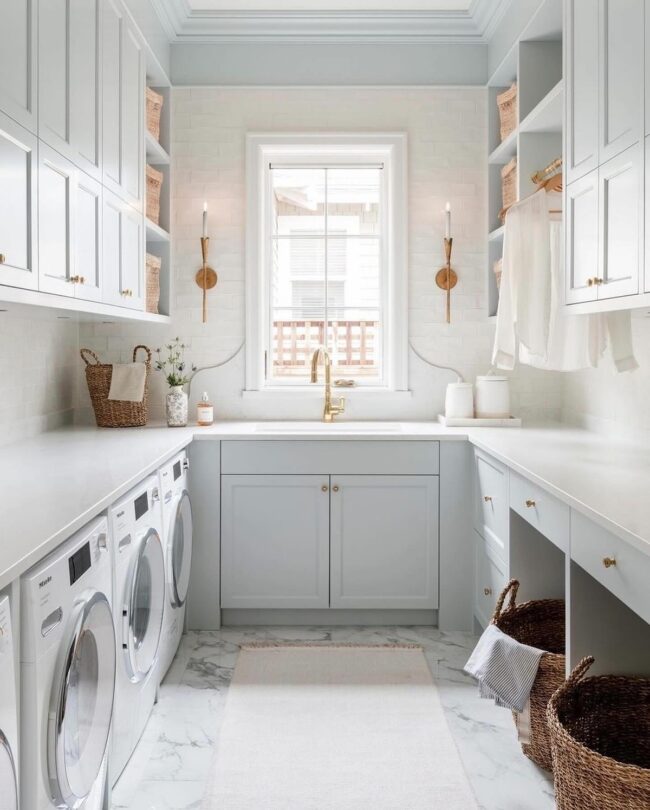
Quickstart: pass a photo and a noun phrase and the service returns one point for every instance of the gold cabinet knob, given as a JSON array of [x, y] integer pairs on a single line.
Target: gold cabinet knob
[[82, 280], [73, 279], [335, 488], [324, 488], [487, 591], [530, 503], [599, 281], [608, 562], [3, 258], [487, 498], [127, 293], [591, 282]]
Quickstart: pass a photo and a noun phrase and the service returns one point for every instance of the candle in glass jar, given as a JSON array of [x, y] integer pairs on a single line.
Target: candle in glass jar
[[205, 220], [448, 221]]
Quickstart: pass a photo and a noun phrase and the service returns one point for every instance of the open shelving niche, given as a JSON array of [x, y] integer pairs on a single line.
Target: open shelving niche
[[158, 155], [535, 62]]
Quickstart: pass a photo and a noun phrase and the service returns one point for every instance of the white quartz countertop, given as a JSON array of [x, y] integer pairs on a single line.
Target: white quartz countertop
[[53, 484]]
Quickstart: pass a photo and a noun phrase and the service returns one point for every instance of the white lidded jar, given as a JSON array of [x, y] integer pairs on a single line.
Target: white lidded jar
[[492, 397], [459, 401]]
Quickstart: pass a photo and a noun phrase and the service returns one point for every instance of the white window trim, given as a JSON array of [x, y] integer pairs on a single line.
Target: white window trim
[[264, 148]]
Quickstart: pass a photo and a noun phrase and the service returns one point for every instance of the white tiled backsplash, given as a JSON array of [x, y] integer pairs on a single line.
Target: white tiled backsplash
[[447, 148]]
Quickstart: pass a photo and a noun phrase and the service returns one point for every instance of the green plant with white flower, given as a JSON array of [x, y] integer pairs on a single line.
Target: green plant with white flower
[[171, 361]]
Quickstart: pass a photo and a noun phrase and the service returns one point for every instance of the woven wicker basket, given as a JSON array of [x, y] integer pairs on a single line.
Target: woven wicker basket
[[507, 103], [113, 412], [154, 108], [154, 184], [600, 734], [152, 297], [508, 185], [538, 623]]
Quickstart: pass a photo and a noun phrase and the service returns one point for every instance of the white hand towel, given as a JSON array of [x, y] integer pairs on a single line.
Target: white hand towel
[[127, 382]]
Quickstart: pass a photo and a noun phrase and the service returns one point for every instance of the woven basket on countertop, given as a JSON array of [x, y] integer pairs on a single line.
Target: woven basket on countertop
[[154, 184], [600, 734], [154, 109], [507, 104], [152, 286], [539, 623], [113, 412]]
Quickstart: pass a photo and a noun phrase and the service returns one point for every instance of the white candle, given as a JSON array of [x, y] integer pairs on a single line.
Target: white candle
[[448, 221], [205, 220]]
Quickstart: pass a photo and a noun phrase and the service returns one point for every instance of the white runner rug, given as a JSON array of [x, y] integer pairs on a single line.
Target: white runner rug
[[322, 727]]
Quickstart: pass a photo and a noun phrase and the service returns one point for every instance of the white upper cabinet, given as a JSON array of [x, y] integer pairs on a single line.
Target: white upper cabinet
[[621, 75], [581, 66], [56, 181], [123, 105], [581, 239], [18, 173], [69, 80], [18, 61], [87, 238], [123, 253]]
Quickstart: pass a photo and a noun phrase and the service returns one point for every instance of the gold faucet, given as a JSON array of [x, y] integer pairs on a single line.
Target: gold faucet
[[331, 410]]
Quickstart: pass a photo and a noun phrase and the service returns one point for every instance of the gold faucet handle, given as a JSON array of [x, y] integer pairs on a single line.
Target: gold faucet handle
[[339, 406]]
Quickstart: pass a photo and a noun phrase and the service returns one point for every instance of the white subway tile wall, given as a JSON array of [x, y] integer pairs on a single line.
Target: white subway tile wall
[[447, 148]]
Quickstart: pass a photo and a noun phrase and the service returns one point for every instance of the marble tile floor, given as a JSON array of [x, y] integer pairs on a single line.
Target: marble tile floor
[[169, 768]]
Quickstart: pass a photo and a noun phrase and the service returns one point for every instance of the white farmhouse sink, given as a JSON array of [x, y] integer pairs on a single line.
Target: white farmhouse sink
[[323, 427]]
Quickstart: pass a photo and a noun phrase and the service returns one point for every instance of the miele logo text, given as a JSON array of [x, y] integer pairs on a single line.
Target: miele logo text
[[44, 582]]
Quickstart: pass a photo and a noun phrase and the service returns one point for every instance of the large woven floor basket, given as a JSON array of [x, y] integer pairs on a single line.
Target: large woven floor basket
[[538, 623], [113, 412], [600, 732]]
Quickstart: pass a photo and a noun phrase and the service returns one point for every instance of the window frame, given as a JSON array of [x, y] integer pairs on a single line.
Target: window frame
[[390, 149]]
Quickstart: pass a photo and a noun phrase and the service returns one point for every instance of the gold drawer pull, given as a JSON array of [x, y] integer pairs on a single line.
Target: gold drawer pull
[[335, 488], [324, 488], [487, 498], [608, 562], [487, 591], [127, 293], [530, 503]]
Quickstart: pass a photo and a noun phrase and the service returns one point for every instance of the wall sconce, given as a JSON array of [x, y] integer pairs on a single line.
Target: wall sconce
[[206, 278], [446, 278]]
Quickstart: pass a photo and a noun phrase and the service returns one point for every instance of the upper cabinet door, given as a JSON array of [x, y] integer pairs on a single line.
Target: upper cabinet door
[[581, 66], [87, 238], [621, 236], [581, 235], [132, 258], [56, 195], [18, 61], [123, 105], [622, 75], [69, 80], [647, 73], [18, 172]]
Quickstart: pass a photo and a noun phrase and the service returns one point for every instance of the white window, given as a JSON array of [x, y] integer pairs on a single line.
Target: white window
[[326, 259]]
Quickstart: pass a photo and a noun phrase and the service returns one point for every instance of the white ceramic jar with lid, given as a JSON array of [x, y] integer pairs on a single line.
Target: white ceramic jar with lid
[[459, 401], [492, 397]]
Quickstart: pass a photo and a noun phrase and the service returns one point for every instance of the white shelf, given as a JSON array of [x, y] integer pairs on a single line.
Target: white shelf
[[505, 150], [156, 155], [155, 233], [546, 117], [497, 234]]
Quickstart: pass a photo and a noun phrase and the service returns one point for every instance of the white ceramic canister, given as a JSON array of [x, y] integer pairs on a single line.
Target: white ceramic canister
[[459, 401], [492, 397]]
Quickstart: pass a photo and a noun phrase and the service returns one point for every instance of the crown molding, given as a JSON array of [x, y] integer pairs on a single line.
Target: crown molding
[[474, 26]]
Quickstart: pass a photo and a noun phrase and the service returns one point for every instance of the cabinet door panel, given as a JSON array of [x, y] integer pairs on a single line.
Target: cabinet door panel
[[132, 116], [18, 158], [56, 181], [18, 61], [112, 28], [87, 238], [622, 67], [647, 214], [384, 542], [621, 239], [132, 259], [274, 541], [53, 72], [111, 249], [581, 255], [581, 62], [490, 577], [85, 85]]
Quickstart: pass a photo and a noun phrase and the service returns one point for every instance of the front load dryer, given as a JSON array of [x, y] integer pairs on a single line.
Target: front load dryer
[[8, 716], [177, 546], [139, 588], [67, 674]]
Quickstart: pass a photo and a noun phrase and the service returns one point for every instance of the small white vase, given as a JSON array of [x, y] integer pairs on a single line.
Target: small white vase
[[176, 407]]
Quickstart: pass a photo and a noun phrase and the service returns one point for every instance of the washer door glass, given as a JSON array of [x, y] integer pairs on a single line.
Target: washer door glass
[[81, 704], [181, 550], [146, 606], [8, 782]]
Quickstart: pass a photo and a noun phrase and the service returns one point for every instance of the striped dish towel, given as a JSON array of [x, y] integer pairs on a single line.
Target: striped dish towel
[[504, 668]]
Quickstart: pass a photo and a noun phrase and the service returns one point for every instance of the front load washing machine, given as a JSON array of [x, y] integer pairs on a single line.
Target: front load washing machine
[[8, 715], [139, 588], [67, 674], [177, 547]]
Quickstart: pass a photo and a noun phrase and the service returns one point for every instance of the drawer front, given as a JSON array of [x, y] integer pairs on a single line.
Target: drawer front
[[490, 578], [491, 502], [544, 512], [619, 567], [313, 457]]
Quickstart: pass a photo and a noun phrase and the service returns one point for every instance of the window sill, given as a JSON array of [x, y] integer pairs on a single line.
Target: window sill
[[316, 393]]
